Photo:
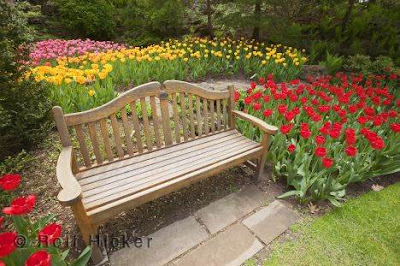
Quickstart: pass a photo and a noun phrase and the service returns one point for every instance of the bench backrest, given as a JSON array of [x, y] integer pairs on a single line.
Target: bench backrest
[[145, 118]]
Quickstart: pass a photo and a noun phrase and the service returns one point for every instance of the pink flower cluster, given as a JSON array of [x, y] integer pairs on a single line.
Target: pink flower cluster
[[52, 49]]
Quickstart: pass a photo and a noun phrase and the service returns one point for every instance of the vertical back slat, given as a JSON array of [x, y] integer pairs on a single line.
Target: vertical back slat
[[106, 140], [225, 115], [191, 116], [212, 103], [218, 115], [155, 121], [165, 120], [82, 144], [146, 124], [95, 142], [205, 111], [127, 130], [198, 116], [183, 113], [176, 118], [231, 104], [136, 127], [117, 137]]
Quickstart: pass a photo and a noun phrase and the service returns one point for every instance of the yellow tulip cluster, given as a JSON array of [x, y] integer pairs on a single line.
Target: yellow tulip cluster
[[91, 66]]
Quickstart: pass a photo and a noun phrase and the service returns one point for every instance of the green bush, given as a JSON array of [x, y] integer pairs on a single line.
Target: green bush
[[93, 19], [363, 64], [24, 104], [150, 21], [333, 63]]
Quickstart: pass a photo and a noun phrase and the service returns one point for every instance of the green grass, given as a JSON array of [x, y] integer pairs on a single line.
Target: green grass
[[365, 231]]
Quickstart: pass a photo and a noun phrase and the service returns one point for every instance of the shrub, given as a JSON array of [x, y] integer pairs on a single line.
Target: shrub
[[333, 63], [363, 64], [333, 132], [24, 104], [87, 19]]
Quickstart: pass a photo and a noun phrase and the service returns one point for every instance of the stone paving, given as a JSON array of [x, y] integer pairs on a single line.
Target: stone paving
[[226, 232]]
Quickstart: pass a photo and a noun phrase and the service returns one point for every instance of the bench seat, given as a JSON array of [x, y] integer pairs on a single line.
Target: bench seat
[[108, 189]]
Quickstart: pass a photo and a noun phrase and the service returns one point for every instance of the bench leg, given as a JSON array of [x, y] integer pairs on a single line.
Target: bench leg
[[259, 173], [89, 232]]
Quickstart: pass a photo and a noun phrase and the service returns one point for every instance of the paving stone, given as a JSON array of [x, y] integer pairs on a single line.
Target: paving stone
[[165, 245], [271, 221], [229, 209], [231, 247]]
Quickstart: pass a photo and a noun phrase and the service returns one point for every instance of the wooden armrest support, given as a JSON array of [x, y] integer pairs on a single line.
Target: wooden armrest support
[[71, 190], [256, 121]]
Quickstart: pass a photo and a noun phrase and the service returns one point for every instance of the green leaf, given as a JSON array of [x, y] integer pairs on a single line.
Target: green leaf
[[289, 193], [83, 258]]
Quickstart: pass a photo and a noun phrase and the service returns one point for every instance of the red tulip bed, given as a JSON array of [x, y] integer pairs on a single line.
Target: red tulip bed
[[27, 242], [334, 130]]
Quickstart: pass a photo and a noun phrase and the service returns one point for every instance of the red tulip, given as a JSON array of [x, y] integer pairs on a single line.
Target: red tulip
[[248, 100], [267, 112], [320, 152], [7, 243], [285, 129], [395, 127], [261, 80], [351, 151], [320, 139], [257, 95], [267, 98], [49, 234], [21, 205], [327, 162], [291, 148], [257, 106], [39, 258], [10, 181], [282, 109], [236, 96]]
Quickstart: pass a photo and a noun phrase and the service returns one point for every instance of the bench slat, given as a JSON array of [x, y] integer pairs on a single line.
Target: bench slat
[[157, 153], [212, 103], [161, 175], [127, 130], [224, 115], [176, 118], [183, 114], [166, 120], [198, 117], [104, 212], [136, 127], [155, 121], [82, 145], [146, 124], [205, 111], [159, 161], [95, 143], [117, 137], [191, 116], [218, 115], [106, 139]]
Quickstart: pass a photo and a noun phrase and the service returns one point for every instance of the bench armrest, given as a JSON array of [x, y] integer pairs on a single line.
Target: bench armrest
[[71, 190], [256, 122]]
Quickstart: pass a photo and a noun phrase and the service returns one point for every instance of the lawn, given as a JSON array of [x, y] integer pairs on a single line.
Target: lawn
[[365, 231]]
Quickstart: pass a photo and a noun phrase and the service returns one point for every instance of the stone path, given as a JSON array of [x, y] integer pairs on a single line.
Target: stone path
[[227, 232]]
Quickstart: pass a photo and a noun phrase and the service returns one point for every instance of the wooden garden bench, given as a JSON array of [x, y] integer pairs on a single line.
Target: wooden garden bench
[[176, 134]]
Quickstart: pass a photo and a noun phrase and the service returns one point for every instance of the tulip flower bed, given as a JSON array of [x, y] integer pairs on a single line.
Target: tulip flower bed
[[24, 242], [86, 74], [333, 131]]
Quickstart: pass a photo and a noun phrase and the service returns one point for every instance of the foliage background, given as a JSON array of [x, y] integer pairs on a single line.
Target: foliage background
[[343, 27]]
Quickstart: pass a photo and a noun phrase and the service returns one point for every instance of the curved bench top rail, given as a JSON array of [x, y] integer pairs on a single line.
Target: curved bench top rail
[[171, 86], [92, 115]]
